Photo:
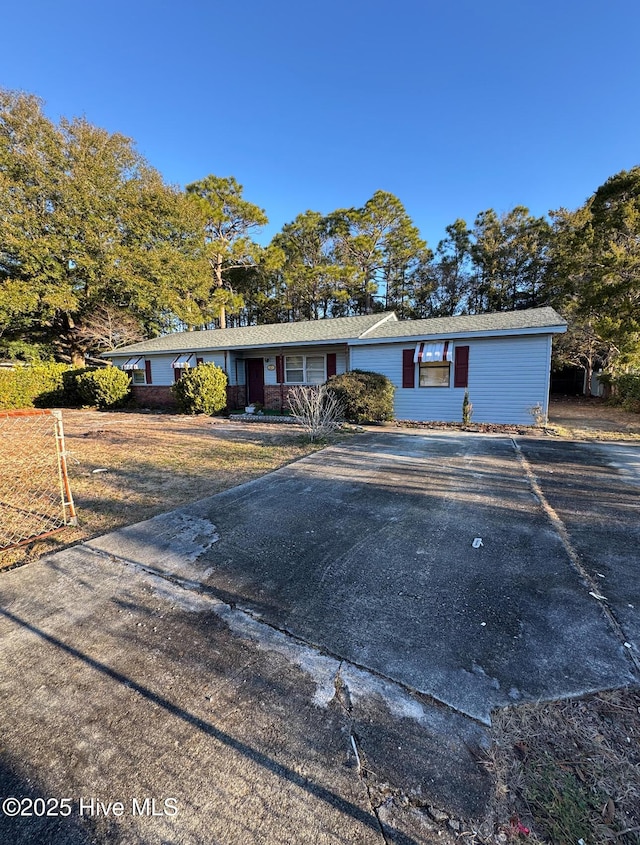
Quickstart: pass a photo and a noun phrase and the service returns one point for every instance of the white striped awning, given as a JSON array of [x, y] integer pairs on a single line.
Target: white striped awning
[[181, 362], [133, 363], [432, 353]]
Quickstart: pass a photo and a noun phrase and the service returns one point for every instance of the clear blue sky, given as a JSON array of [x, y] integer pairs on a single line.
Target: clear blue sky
[[455, 107]]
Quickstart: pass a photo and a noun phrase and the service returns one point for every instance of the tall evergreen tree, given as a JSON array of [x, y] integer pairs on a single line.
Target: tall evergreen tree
[[84, 222], [229, 223]]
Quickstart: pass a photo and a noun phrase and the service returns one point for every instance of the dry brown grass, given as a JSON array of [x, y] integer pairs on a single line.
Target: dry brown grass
[[154, 463], [569, 770], [592, 419]]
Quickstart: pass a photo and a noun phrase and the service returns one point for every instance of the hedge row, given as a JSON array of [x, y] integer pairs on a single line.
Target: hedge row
[[626, 392], [51, 385], [23, 386]]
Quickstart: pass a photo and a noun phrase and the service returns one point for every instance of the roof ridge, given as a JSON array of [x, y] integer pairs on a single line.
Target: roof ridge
[[391, 315]]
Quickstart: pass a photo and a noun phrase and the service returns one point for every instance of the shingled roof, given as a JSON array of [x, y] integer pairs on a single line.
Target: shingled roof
[[272, 334], [531, 318], [370, 328]]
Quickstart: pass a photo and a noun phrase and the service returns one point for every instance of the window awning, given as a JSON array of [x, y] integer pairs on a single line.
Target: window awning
[[432, 353], [133, 363], [181, 362]]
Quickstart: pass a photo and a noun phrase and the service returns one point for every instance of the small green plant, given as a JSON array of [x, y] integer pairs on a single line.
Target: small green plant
[[108, 387], [562, 804], [467, 409], [201, 390], [363, 396]]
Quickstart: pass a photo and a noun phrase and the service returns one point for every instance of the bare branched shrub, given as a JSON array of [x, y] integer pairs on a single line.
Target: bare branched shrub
[[538, 415], [316, 409]]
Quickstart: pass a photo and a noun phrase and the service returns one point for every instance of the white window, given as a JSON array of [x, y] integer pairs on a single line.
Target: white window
[[138, 377], [305, 369], [434, 375]]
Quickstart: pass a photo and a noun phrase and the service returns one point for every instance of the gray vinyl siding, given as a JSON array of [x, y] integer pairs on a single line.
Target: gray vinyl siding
[[270, 376], [507, 377], [268, 355], [161, 369]]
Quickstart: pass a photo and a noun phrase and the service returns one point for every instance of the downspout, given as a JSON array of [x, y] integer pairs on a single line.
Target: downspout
[[548, 386]]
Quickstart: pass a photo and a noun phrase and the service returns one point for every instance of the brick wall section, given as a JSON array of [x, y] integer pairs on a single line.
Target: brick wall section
[[273, 396], [236, 396], [153, 396], [160, 396]]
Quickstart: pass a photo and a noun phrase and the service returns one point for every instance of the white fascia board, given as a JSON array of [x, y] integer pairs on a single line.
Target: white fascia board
[[343, 341], [414, 338]]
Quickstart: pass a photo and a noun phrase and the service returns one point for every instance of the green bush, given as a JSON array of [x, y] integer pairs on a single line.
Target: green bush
[[467, 409], [627, 391], [201, 390], [104, 387], [38, 384], [365, 397]]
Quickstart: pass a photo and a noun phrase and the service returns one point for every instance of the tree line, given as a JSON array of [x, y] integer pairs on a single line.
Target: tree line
[[97, 250]]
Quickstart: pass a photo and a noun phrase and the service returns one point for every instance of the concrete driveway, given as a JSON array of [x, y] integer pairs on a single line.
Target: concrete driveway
[[311, 657]]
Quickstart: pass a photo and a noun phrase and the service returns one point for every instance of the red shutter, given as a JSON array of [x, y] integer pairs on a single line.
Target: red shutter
[[331, 364], [461, 367], [147, 372], [280, 369], [177, 374], [199, 361], [408, 369]]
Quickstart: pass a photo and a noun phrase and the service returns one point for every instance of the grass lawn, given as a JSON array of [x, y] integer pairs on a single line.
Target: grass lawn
[[126, 467]]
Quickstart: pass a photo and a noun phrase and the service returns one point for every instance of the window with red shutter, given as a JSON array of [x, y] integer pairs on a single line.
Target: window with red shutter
[[461, 367], [280, 369], [331, 364], [408, 368]]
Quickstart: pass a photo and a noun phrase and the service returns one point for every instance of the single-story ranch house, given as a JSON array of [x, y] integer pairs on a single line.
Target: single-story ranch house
[[503, 359]]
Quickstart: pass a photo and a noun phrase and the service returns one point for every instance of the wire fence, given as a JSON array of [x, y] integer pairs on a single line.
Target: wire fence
[[35, 497]]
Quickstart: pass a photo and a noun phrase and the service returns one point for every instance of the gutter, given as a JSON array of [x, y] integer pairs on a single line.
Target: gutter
[[413, 338]]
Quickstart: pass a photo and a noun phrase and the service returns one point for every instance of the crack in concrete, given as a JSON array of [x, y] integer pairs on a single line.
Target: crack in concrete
[[343, 698], [574, 558], [208, 594], [362, 775]]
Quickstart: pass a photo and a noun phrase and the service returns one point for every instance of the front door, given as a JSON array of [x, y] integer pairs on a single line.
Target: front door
[[255, 380]]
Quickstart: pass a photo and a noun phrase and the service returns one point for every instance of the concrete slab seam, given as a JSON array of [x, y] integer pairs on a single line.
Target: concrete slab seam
[[574, 558], [197, 588]]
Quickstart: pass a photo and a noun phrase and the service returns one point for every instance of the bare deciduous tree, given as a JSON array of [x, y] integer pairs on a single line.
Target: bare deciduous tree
[[109, 327]]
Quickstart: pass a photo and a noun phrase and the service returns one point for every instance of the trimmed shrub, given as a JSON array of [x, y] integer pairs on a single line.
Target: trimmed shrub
[[364, 396], [106, 387], [201, 390], [38, 384]]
